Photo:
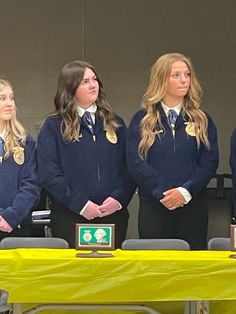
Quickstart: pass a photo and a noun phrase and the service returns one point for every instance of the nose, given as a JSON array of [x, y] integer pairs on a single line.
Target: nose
[[183, 77], [9, 101], [92, 83]]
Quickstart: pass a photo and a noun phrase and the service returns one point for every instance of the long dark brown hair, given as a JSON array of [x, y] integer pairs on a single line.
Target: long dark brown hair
[[65, 101]]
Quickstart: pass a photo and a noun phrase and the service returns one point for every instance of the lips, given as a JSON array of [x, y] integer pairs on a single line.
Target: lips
[[93, 92], [183, 90]]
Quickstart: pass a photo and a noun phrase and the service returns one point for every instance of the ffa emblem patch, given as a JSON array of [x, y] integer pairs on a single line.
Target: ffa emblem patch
[[111, 136], [190, 128], [18, 155]]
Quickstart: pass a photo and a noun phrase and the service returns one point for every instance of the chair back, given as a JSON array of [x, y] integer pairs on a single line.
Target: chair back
[[155, 244], [219, 244], [32, 242]]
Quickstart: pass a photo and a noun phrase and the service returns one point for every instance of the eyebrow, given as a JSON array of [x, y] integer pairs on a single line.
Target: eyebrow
[[87, 78], [6, 94], [178, 71]]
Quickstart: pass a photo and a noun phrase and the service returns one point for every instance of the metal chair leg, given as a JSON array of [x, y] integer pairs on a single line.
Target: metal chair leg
[[4, 307]]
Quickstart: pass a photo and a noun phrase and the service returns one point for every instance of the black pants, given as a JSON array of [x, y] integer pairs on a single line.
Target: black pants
[[63, 224], [188, 223], [24, 231]]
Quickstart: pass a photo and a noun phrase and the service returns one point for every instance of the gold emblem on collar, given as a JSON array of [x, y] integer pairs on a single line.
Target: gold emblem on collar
[[18, 155], [111, 136], [190, 128]]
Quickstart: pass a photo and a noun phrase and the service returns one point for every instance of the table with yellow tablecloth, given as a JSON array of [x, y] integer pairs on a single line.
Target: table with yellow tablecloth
[[58, 276]]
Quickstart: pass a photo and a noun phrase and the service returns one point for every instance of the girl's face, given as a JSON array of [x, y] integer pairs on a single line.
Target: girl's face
[[178, 83], [7, 105], [87, 91]]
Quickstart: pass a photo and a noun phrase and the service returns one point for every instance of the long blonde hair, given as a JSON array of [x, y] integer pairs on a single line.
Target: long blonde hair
[[66, 106], [151, 123], [14, 132]]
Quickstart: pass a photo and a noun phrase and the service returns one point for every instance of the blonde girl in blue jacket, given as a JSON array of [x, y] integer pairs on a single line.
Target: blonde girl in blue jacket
[[172, 154], [19, 189]]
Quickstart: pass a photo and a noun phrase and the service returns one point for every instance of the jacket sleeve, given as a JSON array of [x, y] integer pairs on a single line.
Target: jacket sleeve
[[207, 163], [51, 173], [28, 192], [126, 186], [146, 177], [232, 162]]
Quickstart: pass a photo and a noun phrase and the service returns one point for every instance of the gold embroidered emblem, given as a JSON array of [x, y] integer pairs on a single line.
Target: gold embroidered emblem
[[18, 155], [111, 136], [190, 128]]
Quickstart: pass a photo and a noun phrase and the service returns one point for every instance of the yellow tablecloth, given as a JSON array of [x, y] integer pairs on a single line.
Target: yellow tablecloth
[[58, 276]]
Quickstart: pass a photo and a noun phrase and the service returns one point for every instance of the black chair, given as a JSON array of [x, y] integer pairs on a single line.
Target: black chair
[[39, 220], [222, 187], [220, 209]]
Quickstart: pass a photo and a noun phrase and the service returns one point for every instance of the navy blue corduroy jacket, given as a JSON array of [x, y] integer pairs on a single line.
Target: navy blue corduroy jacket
[[171, 161], [75, 172], [19, 186]]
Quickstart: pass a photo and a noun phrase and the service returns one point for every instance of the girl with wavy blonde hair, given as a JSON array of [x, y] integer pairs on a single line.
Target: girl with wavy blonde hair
[[172, 153], [19, 189], [156, 91], [15, 134]]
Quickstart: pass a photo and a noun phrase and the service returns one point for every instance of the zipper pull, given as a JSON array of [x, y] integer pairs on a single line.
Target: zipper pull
[[94, 138]]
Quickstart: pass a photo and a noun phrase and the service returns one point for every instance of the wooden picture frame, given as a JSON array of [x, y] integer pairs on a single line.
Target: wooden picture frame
[[95, 237]]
